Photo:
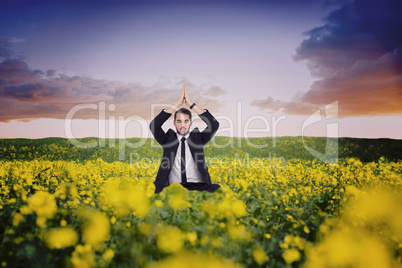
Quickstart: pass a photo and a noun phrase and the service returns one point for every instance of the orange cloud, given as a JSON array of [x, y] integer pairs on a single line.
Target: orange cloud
[[359, 65], [368, 88], [31, 94]]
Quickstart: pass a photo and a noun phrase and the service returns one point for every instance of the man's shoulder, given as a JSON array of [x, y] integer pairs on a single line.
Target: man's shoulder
[[171, 132], [194, 131], [194, 134]]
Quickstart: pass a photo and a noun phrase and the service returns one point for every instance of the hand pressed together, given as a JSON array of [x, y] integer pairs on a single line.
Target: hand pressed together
[[184, 98]]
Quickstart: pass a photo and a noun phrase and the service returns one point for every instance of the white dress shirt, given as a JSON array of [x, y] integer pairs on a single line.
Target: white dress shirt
[[193, 175]]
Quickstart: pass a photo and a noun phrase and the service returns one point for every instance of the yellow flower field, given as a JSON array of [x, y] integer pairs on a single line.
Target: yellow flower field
[[99, 214]]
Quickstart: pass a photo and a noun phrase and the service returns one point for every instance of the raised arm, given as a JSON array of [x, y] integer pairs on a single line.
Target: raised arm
[[212, 124], [196, 108]]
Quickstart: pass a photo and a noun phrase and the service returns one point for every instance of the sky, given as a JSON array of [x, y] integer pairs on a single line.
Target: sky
[[262, 68]]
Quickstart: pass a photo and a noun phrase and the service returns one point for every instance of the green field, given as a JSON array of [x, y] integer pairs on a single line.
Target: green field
[[287, 147], [279, 206]]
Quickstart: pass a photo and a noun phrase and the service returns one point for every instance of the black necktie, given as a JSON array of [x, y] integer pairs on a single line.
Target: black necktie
[[183, 162]]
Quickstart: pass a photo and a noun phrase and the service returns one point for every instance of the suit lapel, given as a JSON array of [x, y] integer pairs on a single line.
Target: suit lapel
[[191, 142], [175, 146]]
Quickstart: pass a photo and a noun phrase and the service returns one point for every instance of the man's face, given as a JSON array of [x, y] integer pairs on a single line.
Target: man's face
[[182, 123]]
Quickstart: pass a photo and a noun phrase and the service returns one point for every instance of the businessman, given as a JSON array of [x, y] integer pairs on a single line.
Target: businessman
[[183, 158]]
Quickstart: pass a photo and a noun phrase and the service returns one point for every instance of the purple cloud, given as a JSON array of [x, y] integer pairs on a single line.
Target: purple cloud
[[27, 94]]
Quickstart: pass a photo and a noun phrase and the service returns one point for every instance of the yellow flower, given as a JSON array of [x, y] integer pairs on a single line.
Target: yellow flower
[[158, 203], [377, 209], [44, 205], [288, 239], [239, 208], [61, 238], [95, 226], [178, 201], [139, 199], [17, 219], [123, 196], [192, 237], [204, 240], [228, 207], [170, 239], [216, 243], [83, 257], [193, 260], [285, 199], [177, 196], [291, 255], [108, 254], [239, 232], [145, 228], [259, 255], [349, 247]]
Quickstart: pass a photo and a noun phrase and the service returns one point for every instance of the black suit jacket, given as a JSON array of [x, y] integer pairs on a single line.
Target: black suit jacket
[[170, 143]]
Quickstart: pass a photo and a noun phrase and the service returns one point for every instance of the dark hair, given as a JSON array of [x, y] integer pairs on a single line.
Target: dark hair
[[182, 111]]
